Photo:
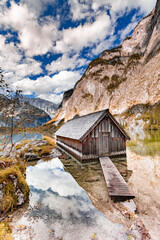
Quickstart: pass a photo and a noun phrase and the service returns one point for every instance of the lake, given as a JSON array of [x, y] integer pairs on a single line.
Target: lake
[[59, 206], [19, 136]]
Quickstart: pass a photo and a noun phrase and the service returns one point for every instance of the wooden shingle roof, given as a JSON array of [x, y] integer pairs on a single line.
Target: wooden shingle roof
[[78, 128]]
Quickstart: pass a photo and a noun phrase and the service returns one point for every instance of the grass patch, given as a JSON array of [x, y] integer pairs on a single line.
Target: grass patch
[[5, 231], [150, 114], [45, 151], [104, 79], [115, 82], [22, 144], [87, 95], [51, 141], [135, 56], [100, 61], [96, 73], [60, 124], [10, 199], [40, 150], [133, 60], [7, 161]]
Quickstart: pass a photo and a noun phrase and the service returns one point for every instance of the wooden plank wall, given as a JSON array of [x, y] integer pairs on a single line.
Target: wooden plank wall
[[117, 141], [75, 144]]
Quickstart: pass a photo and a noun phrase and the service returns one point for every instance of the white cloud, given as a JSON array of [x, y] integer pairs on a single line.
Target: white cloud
[[56, 98], [37, 6], [85, 8], [35, 38], [60, 82], [12, 63], [83, 36], [65, 62], [121, 5], [79, 10]]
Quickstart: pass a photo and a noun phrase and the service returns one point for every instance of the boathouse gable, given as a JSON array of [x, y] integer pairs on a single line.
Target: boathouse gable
[[91, 136]]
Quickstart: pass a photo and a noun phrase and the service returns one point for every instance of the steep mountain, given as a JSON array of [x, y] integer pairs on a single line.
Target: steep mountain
[[28, 114], [121, 77], [49, 107]]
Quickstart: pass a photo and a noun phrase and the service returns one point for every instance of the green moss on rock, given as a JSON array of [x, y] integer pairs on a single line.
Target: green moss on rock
[[12, 179], [115, 82]]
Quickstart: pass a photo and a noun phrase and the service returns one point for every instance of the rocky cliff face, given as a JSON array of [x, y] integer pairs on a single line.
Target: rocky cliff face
[[122, 77], [49, 107]]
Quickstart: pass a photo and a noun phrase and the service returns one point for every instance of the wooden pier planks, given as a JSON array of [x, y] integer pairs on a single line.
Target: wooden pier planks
[[117, 187]]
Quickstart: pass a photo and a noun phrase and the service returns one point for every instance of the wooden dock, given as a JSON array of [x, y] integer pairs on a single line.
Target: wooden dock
[[117, 187]]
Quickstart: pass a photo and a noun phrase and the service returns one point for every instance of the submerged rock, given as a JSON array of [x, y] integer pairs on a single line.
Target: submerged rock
[[31, 156], [92, 179], [55, 153]]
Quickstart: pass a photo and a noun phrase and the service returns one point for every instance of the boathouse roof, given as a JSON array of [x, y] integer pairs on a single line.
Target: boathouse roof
[[78, 128]]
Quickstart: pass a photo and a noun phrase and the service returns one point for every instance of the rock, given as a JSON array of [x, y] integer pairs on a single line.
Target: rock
[[2, 164], [14, 179], [55, 153], [12, 176], [20, 196], [1, 194], [31, 156], [39, 142], [92, 179]]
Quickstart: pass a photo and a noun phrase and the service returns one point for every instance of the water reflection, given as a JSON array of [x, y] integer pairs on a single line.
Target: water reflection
[[145, 183], [61, 209], [147, 143], [19, 136]]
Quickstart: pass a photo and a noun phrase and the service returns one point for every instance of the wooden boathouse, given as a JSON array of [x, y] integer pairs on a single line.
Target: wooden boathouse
[[92, 136]]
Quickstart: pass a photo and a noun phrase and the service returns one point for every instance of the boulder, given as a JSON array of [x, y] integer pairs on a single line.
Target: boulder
[[20, 196], [31, 156]]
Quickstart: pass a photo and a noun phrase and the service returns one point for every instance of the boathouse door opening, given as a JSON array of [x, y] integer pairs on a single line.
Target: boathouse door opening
[[103, 143]]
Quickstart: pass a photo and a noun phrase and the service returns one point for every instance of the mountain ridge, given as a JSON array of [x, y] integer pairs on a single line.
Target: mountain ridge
[[49, 107], [25, 112], [121, 77]]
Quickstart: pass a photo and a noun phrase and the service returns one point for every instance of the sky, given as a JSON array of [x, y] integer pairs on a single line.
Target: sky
[[46, 45]]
